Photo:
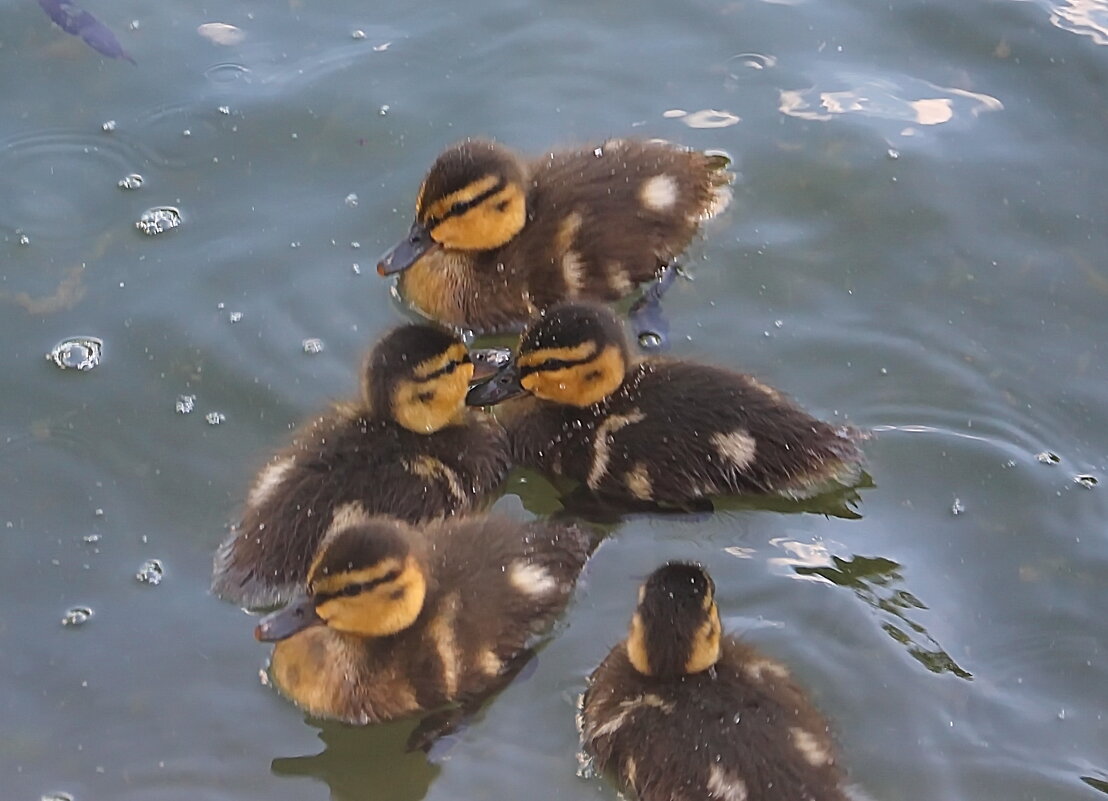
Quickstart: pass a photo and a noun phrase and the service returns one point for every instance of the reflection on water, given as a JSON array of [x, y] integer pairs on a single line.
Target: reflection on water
[[1083, 17], [875, 580], [910, 100], [364, 762]]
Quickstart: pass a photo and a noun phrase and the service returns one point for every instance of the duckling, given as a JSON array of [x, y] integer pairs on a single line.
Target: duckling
[[680, 711], [408, 448], [497, 238], [656, 431], [399, 620]]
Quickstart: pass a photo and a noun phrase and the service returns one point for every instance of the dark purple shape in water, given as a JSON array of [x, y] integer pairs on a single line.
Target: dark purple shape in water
[[73, 19]]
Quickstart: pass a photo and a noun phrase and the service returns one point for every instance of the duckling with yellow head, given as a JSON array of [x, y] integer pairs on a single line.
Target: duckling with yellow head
[[577, 404], [408, 447], [399, 620], [497, 238]]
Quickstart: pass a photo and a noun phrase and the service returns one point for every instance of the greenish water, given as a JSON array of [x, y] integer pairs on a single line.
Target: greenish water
[[916, 246]]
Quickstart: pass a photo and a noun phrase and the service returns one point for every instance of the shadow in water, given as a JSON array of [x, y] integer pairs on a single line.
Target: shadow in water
[[364, 762], [877, 582], [567, 500]]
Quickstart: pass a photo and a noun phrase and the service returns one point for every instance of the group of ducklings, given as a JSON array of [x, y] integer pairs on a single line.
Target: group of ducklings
[[401, 597]]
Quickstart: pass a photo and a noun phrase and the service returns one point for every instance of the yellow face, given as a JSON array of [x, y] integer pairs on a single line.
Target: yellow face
[[576, 376], [374, 601], [482, 215], [434, 396]]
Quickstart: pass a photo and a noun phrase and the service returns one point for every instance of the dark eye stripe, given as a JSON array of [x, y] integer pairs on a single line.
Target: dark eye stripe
[[446, 369], [461, 208], [554, 364], [351, 590]]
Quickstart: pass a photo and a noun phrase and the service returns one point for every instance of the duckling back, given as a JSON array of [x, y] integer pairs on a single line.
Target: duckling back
[[680, 711], [676, 431], [743, 730]]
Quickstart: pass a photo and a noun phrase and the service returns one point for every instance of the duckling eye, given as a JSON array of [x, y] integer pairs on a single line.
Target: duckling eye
[[425, 397], [592, 375], [502, 205], [351, 590]]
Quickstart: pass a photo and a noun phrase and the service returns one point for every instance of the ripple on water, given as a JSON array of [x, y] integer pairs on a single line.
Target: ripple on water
[[60, 182], [181, 136]]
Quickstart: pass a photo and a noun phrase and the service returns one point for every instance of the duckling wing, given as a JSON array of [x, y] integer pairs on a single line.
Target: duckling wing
[[605, 219], [345, 465]]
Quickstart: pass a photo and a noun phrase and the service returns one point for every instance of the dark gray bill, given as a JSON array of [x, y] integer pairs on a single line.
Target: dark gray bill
[[502, 386], [407, 251], [282, 624]]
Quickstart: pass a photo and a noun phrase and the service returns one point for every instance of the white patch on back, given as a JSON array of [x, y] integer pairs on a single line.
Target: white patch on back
[[531, 579], [725, 786], [659, 193], [810, 747], [349, 514], [619, 279], [638, 482], [573, 271], [737, 447], [268, 480], [601, 448]]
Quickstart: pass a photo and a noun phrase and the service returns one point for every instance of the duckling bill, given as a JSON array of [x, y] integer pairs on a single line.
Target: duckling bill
[[497, 238], [679, 710], [399, 620], [408, 448], [656, 430]]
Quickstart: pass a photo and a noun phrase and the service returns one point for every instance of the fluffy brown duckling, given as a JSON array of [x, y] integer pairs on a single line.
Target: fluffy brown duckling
[[407, 448], [497, 238], [657, 430], [679, 711], [401, 620]]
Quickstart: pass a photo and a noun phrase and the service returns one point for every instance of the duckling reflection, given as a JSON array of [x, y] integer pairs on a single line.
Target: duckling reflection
[[679, 710], [497, 238]]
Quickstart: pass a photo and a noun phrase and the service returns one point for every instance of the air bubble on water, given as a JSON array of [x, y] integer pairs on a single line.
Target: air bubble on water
[[224, 110], [215, 418], [24, 240], [158, 220], [957, 507], [892, 153], [648, 340], [312, 345], [132, 181], [381, 48], [185, 404], [355, 245], [357, 34], [1085, 480], [384, 110], [357, 268], [76, 616], [1047, 457], [77, 353], [59, 796], [598, 152], [235, 316], [108, 126], [151, 572], [351, 200], [98, 512], [91, 538]]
